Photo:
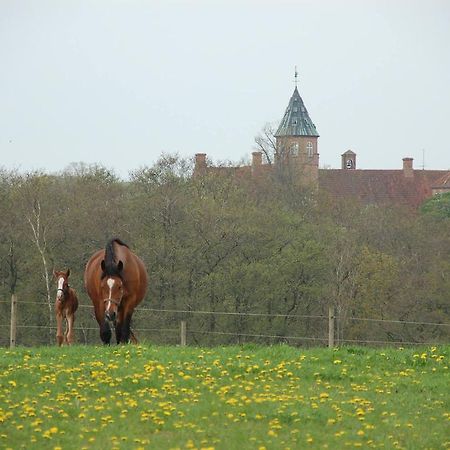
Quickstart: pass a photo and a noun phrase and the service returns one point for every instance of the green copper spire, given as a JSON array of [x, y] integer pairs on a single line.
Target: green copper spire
[[296, 120]]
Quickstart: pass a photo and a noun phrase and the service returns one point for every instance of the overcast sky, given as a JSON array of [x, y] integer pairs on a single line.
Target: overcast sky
[[120, 82]]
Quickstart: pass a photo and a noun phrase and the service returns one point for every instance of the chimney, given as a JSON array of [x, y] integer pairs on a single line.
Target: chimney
[[408, 170], [256, 162], [200, 164]]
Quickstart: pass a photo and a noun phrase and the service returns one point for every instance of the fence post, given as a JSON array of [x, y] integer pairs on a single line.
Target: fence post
[[13, 329], [331, 326], [183, 333]]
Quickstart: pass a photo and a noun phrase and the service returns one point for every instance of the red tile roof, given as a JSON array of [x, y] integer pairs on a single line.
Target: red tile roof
[[442, 182], [380, 186], [368, 186]]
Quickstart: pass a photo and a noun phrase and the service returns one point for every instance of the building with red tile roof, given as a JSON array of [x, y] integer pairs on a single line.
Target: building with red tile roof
[[297, 151]]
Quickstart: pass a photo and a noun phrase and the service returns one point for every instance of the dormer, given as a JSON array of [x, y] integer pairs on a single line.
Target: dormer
[[348, 160]]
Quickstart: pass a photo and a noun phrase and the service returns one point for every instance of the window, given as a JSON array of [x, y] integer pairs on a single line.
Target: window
[[294, 121], [295, 109], [309, 149], [294, 149]]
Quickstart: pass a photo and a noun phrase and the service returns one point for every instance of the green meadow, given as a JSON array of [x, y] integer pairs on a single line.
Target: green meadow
[[251, 397]]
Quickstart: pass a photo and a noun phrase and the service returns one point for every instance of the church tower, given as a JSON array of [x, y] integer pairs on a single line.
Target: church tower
[[296, 142]]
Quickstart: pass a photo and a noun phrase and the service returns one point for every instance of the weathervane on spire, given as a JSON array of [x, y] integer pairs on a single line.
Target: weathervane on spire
[[295, 76]]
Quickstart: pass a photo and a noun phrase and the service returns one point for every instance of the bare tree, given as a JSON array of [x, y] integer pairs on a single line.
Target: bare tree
[[266, 143], [39, 239]]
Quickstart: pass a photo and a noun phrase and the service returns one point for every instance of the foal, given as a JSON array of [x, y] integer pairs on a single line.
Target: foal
[[65, 306]]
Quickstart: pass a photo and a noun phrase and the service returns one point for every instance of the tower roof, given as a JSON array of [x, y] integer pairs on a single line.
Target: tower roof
[[296, 120]]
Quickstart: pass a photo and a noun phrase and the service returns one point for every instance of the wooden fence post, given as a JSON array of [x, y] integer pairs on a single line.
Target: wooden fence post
[[183, 333], [331, 326], [13, 329]]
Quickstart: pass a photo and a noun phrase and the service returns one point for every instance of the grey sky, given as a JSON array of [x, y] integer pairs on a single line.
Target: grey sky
[[120, 82]]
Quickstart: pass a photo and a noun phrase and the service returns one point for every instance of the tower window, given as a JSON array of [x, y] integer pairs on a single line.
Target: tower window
[[309, 149], [294, 149], [295, 109]]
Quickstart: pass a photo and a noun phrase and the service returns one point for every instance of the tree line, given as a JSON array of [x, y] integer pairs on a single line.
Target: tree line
[[264, 247]]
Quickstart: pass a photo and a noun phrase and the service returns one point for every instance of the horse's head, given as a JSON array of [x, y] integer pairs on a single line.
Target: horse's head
[[112, 291], [62, 281]]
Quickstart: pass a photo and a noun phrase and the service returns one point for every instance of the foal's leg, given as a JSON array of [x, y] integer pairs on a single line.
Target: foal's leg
[[69, 335], [59, 329]]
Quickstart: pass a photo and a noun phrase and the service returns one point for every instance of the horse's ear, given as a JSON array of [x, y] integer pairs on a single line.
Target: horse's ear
[[120, 266], [67, 273], [103, 266], [54, 273]]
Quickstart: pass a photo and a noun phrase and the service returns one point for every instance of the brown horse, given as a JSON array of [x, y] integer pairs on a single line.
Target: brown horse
[[116, 281], [66, 304]]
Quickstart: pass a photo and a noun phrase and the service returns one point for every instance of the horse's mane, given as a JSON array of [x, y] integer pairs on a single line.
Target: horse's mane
[[110, 258]]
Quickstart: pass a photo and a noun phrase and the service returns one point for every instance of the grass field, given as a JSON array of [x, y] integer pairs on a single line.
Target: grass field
[[280, 397]]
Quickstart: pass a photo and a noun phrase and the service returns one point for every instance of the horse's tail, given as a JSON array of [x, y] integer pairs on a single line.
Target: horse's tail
[[110, 257]]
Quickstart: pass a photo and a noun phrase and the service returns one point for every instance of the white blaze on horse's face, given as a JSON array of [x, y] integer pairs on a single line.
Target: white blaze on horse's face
[[110, 282], [59, 292], [114, 291]]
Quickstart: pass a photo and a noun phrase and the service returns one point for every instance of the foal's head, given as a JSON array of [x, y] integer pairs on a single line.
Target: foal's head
[[62, 282], [112, 288]]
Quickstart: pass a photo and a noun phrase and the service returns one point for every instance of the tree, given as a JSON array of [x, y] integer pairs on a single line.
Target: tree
[[437, 206], [266, 143]]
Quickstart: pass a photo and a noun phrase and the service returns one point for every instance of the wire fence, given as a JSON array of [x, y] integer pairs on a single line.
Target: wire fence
[[246, 314], [314, 329]]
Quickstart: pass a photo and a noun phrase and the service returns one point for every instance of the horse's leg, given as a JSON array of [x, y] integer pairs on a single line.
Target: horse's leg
[[59, 331], [105, 332], [118, 326], [126, 330], [123, 328], [69, 336], [133, 338]]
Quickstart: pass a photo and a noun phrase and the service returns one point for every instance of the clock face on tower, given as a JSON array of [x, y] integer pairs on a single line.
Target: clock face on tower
[[349, 164]]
